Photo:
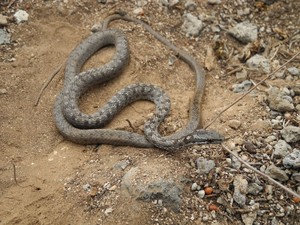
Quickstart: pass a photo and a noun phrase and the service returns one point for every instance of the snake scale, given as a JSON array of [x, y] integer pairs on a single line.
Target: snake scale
[[88, 128]]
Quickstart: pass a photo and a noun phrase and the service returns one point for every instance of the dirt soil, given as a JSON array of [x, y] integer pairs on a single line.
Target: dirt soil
[[43, 175]]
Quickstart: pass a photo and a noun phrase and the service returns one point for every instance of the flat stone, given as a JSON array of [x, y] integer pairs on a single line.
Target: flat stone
[[277, 173], [214, 2], [3, 20], [242, 87], [245, 32], [291, 134], [241, 76], [4, 37]]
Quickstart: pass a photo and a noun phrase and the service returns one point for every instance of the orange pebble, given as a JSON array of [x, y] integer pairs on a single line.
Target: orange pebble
[[296, 199], [208, 190], [213, 207]]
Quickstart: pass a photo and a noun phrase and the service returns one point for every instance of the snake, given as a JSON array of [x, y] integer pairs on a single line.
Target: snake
[[82, 128]]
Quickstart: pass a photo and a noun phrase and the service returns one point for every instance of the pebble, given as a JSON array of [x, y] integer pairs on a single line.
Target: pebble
[[4, 37], [296, 177], [250, 217], [298, 107], [254, 188], [269, 189], [87, 187], [276, 124], [201, 194], [3, 91], [259, 62], [21, 16], [3, 20], [276, 173], [250, 147], [169, 3], [291, 134], [242, 87], [204, 166], [281, 149], [279, 101], [294, 71], [138, 11], [108, 210], [243, 12], [214, 2], [192, 25], [241, 76], [245, 32], [296, 89], [235, 163], [194, 186], [234, 124], [280, 74], [240, 189], [190, 5], [122, 164], [292, 160], [270, 139]]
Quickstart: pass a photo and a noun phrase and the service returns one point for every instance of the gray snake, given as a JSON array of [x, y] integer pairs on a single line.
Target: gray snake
[[88, 129]]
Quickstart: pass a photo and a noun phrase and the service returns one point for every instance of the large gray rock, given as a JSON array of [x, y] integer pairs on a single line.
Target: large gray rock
[[259, 62], [166, 191], [291, 134], [292, 160], [281, 149], [192, 25], [279, 100], [204, 166], [245, 32]]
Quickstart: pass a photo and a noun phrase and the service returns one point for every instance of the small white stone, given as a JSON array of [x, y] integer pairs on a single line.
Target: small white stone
[[201, 194], [21, 16]]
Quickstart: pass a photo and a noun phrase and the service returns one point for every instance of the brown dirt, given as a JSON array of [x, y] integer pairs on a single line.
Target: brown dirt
[[50, 171]]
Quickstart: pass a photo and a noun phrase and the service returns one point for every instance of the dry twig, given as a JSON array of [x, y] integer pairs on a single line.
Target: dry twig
[[251, 89], [47, 83], [261, 174]]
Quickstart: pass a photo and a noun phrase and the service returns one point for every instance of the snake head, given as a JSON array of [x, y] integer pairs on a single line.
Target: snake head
[[200, 137]]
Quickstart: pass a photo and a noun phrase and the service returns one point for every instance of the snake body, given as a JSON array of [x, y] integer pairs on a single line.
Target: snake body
[[88, 129]]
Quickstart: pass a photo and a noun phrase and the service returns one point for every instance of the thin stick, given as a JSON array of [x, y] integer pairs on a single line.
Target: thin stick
[[10, 4], [254, 87], [47, 83], [261, 174], [15, 173]]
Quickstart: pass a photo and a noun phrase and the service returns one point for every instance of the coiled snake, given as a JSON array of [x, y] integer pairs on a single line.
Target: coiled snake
[[88, 129]]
